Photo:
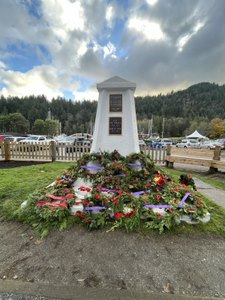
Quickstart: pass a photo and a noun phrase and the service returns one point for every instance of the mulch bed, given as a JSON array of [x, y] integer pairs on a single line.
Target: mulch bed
[[15, 164]]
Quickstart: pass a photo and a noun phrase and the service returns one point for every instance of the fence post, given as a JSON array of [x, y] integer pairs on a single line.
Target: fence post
[[53, 150], [7, 150], [169, 164], [216, 156]]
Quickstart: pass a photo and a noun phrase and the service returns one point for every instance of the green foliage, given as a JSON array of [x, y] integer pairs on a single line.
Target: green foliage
[[51, 127], [14, 122], [19, 184], [184, 111], [120, 190], [39, 127]]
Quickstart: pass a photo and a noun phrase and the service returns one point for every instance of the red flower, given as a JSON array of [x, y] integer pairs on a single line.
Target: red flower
[[122, 215], [97, 197], [119, 215], [115, 201], [88, 220]]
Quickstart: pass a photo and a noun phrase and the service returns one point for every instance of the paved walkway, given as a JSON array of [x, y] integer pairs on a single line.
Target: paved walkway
[[217, 195]]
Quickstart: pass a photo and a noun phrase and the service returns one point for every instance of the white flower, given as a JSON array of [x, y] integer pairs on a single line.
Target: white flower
[[127, 210]]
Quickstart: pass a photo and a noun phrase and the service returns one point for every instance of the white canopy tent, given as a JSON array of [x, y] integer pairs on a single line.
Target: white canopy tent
[[196, 135]]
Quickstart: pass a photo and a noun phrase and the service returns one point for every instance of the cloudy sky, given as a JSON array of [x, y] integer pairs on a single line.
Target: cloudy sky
[[65, 47]]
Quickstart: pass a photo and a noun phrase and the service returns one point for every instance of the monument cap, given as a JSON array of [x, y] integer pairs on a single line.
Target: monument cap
[[116, 82]]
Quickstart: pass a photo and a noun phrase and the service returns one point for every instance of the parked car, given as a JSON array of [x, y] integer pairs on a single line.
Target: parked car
[[141, 143], [69, 143], [220, 142], [154, 143], [157, 144], [41, 141], [14, 139], [73, 144], [210, 144], [166, 142], [188, 144], [37, 139], [4, 136]]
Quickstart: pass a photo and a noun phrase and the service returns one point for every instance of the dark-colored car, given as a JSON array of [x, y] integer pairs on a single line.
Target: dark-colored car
[[154, 144], [4, 136]]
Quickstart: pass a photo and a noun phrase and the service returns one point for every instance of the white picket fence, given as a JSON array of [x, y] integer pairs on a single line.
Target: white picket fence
[[49, 152]]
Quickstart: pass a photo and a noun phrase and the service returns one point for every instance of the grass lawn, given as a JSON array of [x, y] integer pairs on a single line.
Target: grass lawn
[[17, 183]]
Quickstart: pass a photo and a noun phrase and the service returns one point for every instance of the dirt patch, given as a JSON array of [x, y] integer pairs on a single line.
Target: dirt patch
[[192, 265]]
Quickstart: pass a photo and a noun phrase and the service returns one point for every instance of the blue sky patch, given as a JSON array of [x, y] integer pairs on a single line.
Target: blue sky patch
[[25, 56]]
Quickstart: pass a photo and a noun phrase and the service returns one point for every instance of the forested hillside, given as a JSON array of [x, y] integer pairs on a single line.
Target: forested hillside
[[182, 111], [199, 100]]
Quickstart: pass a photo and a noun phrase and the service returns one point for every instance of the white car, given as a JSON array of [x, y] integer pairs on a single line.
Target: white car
[[208, 144], [44, 141], [36, 139], [166, 142], [188, 144], [14, 139]]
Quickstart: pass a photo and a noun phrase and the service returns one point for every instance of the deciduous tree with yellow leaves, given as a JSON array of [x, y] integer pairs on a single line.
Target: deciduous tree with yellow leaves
[[217, 128]]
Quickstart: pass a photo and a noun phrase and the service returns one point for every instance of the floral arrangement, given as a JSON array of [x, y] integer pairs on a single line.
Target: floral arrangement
[[187, 180], [112, 191]]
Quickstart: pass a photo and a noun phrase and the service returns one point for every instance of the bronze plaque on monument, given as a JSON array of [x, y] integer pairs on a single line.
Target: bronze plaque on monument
[[115, 125], [115, 103]]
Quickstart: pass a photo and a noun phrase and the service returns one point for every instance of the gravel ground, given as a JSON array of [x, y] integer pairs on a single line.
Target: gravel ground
[[191, 265]]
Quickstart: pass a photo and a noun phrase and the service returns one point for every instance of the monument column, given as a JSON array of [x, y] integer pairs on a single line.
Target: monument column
[[115, 122]]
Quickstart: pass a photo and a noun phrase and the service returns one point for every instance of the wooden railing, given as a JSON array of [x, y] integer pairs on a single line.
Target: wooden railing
[[60, 152]]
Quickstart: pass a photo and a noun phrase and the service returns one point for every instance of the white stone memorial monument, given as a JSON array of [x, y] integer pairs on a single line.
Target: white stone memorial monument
[[115, 122]]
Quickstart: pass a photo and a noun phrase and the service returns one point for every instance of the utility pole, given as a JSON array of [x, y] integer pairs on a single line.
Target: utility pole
[[163, 124], [150, 127]]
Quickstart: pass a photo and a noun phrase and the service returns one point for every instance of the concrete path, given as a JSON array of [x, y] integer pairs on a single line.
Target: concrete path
[[217, 195]]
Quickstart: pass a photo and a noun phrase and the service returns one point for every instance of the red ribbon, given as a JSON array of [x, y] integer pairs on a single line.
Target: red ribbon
[[62, 198], [53, 197], [52, 204]]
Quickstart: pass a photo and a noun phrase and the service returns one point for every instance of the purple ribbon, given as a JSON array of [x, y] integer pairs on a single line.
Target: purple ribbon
[[94, 208], [157, 206], [136, 165], [166, 205], [141, 193], [181, 205], [104, 189], [91, 167], [97, 208], [120, 175]]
